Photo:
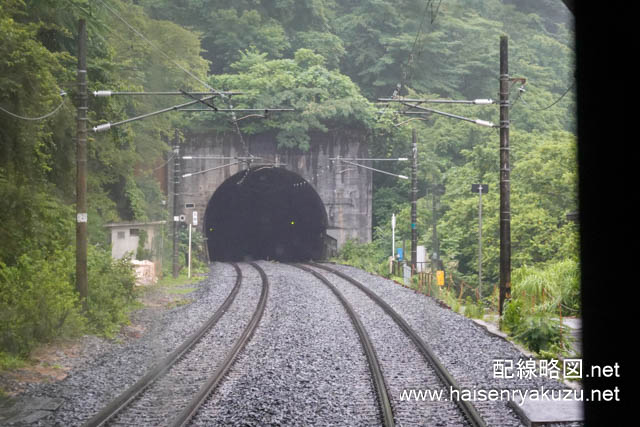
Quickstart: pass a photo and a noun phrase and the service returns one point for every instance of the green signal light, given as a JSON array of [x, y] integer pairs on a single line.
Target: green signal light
[[293, 222]]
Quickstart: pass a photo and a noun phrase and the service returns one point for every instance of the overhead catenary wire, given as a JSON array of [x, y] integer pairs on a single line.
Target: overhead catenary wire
[[243, 110], [202, 82], [106, 93], [399, 159], [407, 71], [484, 101], [407, 121]]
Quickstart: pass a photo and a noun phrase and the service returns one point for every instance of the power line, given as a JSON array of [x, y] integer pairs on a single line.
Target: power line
[[557, 100], [165, 163], [219, 93], [142, 36], [46, 116], [407, 67], [408, 71]]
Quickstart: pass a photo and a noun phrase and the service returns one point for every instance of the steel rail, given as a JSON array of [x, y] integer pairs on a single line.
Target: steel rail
[[372, 359], [212, 383], [124, 399], [466, 407]]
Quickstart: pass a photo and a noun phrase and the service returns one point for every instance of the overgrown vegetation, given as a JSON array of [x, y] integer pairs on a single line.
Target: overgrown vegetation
[[540, 298], [38, 301], [366, 256]]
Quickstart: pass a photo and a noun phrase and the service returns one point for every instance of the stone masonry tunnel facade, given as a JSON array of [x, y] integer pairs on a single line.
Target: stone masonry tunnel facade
[[289, 205]]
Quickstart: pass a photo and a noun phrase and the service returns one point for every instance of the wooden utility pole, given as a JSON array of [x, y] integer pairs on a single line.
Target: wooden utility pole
[[82, 285], [480, 241], [175, 223], [434, 231], [414, 201], [480, 189], [505, 187]]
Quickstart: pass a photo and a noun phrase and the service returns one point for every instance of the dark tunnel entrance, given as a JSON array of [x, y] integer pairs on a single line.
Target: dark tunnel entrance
[[265, 213]]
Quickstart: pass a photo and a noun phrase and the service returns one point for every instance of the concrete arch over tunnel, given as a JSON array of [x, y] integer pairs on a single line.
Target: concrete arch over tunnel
[[265, 213]]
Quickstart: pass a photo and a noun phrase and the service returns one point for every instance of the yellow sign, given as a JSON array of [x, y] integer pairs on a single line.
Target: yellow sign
[[440, 277]]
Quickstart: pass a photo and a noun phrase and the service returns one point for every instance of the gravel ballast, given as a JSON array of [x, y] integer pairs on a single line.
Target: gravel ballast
[[304, 365]]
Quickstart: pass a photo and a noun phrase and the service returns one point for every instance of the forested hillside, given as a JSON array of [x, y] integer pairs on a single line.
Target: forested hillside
[[328, 59]]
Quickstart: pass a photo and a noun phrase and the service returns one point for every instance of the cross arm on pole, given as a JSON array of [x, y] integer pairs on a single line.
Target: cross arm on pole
[[208, 104], [370, 168], [107, 93], [486, 101], [107, 126], [442, 113]]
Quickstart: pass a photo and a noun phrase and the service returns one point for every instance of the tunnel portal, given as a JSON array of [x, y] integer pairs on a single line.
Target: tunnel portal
[[265, 213]]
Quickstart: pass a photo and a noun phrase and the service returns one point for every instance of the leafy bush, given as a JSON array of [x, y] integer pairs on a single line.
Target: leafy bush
[[473, 310], [553, 288], [111, 284], [37, 301], [366, 256], [540, 332], [323, 98], [512, 316]]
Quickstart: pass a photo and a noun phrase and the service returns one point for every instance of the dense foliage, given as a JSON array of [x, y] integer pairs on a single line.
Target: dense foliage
[[328, 59], [38, 301], [38, 61], [322, 99]]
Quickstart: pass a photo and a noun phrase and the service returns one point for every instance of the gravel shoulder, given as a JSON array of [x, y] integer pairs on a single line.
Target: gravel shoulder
[[466, 349]]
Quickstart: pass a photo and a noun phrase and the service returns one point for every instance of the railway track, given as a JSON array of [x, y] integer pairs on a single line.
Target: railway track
[[471, 415], [380, 387], [192, 408], [160, 393], [305, 367]]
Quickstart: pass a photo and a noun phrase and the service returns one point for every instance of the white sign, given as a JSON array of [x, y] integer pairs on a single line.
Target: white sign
[[195, 218], [81, 217], [406, 273], [421, 255]]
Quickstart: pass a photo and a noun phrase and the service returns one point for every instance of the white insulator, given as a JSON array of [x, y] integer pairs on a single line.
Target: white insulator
[[102, 128], [483, 101], [483, 123], [102, 93]]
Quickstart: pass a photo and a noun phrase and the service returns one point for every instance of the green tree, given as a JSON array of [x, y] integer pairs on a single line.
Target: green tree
[[322, 99], [543, 191]]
